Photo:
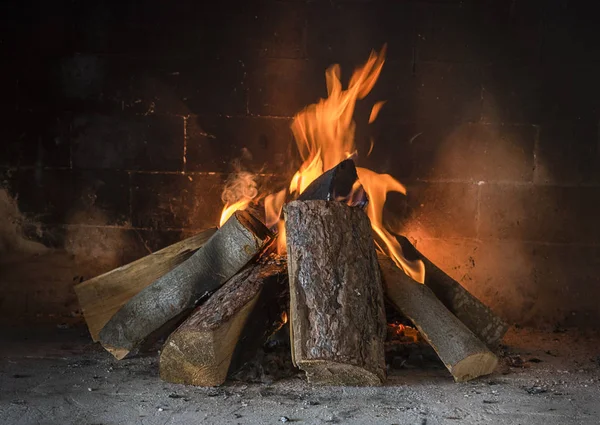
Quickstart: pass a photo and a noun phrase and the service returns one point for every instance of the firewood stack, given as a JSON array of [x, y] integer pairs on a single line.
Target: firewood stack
[[222, 293]]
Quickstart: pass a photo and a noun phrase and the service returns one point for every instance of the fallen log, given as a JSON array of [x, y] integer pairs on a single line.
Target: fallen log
[[175, 294], [463, 354], [101, 297], [478, 317], [337, 318], [225, 331]]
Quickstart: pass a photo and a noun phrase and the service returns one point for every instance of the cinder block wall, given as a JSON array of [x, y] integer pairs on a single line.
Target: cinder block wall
[[123, 121]]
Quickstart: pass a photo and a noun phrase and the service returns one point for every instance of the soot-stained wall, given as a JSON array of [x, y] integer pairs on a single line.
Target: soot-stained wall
[[122, 121]]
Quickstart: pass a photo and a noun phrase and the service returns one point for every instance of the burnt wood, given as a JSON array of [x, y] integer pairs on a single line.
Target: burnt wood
[[337, 318], [478, 317], [334, 184], [463, 354], [225, 331], [239, 240]]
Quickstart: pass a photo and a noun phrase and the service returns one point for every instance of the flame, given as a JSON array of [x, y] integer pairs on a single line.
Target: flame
[[324, 134], [284, 318], [229, 209]]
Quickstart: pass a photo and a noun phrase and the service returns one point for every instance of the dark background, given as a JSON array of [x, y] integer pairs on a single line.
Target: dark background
[[122, 121]]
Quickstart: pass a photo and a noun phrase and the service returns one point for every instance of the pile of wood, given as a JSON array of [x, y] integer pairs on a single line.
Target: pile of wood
[[221, 294]]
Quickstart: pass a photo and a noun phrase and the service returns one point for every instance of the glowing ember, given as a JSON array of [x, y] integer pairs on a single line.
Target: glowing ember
[[324, 134]]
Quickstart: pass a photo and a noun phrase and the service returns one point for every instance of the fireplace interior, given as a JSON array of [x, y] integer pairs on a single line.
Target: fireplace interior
[[129, 127]]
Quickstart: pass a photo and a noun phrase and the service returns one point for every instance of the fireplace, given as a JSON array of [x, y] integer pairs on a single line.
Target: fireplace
[[125, 123], [122, 132]]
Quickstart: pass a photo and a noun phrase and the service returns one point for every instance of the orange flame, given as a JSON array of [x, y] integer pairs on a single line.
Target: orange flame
[[324, 134], [229, 209]]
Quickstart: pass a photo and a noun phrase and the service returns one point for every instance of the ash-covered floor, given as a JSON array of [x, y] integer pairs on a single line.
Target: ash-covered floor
[[51, 375]]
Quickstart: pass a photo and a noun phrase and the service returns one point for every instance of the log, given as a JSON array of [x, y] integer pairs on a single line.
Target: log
[[175, 294], [223, 333], [463, 354], [101, 297], [478, 317], [337, 318], [334, 184]]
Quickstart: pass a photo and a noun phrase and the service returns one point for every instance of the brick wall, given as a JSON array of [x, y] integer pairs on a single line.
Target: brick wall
[[122, 122]]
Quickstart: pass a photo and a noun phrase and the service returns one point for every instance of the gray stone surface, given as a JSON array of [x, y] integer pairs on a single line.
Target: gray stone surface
[[57, 376]]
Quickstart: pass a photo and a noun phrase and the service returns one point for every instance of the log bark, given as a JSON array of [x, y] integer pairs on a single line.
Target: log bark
[[478, 317], [221, 334], [101, 297], [337, 318], [463, 354], [239, 240]]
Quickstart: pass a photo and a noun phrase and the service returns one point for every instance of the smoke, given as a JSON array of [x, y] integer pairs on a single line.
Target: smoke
[[239, 186]]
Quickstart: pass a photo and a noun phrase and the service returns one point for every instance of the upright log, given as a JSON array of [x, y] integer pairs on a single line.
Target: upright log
[[465, 356], [101, 297], [337, 318], [478, 317], [240, 314], [175, 294], [334, 184]]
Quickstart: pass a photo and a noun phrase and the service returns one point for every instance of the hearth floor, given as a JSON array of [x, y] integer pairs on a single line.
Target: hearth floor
[[51, 375]]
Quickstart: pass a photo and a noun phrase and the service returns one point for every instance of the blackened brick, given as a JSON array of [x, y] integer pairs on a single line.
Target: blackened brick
[[513, 94], [176, 201], [570, 34], [460, 33], [570, 91], [568, 153], [282, 87], [442, 209], [74, 197], [44, 139], [448, 92], [190, 85], [474, 152], [150, 142], [259, 144], [275, 29], [540, 213], [349, 31]]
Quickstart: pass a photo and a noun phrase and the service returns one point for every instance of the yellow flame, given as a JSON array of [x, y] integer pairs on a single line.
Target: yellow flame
[[324, 134], [231, 208]]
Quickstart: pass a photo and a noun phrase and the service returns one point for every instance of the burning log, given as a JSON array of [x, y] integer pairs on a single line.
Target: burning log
[[482, 321], [173, 295], [463, 354], [242, 313], [337, 318], [334, 184], [101, 297]]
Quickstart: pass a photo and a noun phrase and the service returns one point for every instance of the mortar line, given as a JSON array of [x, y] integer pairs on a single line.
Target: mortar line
[[185, 140], [536, 147]]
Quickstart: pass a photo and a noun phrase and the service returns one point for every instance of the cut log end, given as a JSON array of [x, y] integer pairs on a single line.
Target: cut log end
[[474, 366], [325, 372]]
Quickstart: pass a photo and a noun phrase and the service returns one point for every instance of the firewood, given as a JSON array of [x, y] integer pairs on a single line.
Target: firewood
[[337, 318], [242, 313], [478, 317], [333, 184], [463, 354], [175, 294], [101, 297]]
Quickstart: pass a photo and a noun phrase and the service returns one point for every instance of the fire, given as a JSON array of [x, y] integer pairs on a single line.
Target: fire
[[229, 209], [324, 134]]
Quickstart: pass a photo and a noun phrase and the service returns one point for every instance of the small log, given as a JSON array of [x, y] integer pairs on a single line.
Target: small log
[[175, 294], [202, 351], [478, 317], [101, 297], [463, 354], [334, 184], [337, 318]]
